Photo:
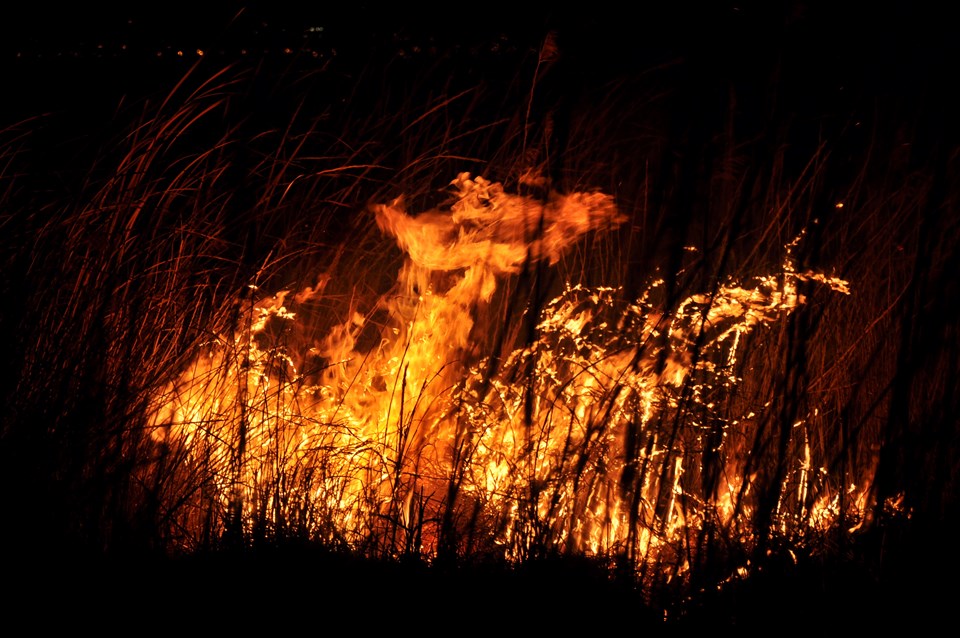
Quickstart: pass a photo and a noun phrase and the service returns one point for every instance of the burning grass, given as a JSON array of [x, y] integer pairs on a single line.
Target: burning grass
[[425, 327]]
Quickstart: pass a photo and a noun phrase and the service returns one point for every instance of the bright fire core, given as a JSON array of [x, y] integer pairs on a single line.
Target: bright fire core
[[608, 428]]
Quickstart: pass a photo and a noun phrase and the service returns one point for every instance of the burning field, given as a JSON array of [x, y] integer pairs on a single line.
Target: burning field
[[669, 331]]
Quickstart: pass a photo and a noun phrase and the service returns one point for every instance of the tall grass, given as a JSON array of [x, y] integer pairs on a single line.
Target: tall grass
[[162, 257]]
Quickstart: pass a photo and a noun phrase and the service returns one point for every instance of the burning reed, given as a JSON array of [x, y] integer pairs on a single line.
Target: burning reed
[[431, 325]]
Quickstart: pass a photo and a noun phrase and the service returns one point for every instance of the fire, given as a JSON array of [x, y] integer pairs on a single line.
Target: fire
[[601, 434]]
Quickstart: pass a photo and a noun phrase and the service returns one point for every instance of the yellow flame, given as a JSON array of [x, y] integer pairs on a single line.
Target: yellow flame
[[558, 439]]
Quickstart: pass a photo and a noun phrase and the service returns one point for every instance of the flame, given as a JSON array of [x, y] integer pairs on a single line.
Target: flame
[[589, 437]]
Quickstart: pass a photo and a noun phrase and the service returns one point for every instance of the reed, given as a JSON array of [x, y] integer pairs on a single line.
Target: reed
[[473, 320]]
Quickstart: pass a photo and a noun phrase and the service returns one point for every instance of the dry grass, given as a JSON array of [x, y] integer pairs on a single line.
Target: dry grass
[[161, 238]]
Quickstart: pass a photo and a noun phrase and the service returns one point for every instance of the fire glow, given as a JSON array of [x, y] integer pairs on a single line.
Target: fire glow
[[609, 433]]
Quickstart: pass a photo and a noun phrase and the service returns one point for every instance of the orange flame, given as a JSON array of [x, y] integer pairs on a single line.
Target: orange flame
[[564, 442]]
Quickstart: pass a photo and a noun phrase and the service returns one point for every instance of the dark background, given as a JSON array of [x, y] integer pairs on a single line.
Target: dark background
[[831, 63]]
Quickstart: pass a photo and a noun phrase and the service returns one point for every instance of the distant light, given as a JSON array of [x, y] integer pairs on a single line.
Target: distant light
[[200, 52], [180, 53], [839, 204]]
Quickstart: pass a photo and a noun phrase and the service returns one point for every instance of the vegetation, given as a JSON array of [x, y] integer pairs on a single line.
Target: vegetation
[[738, 377]]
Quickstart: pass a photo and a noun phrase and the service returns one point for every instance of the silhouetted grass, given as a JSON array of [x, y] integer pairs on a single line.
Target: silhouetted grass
[[146, 256]]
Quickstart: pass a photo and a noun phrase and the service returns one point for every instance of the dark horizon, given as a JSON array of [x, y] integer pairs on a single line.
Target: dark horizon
[[829, 61]]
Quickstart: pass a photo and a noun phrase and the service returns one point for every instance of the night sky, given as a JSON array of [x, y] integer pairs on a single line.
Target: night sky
[[895, 43], [831, 62], [828, 57]]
